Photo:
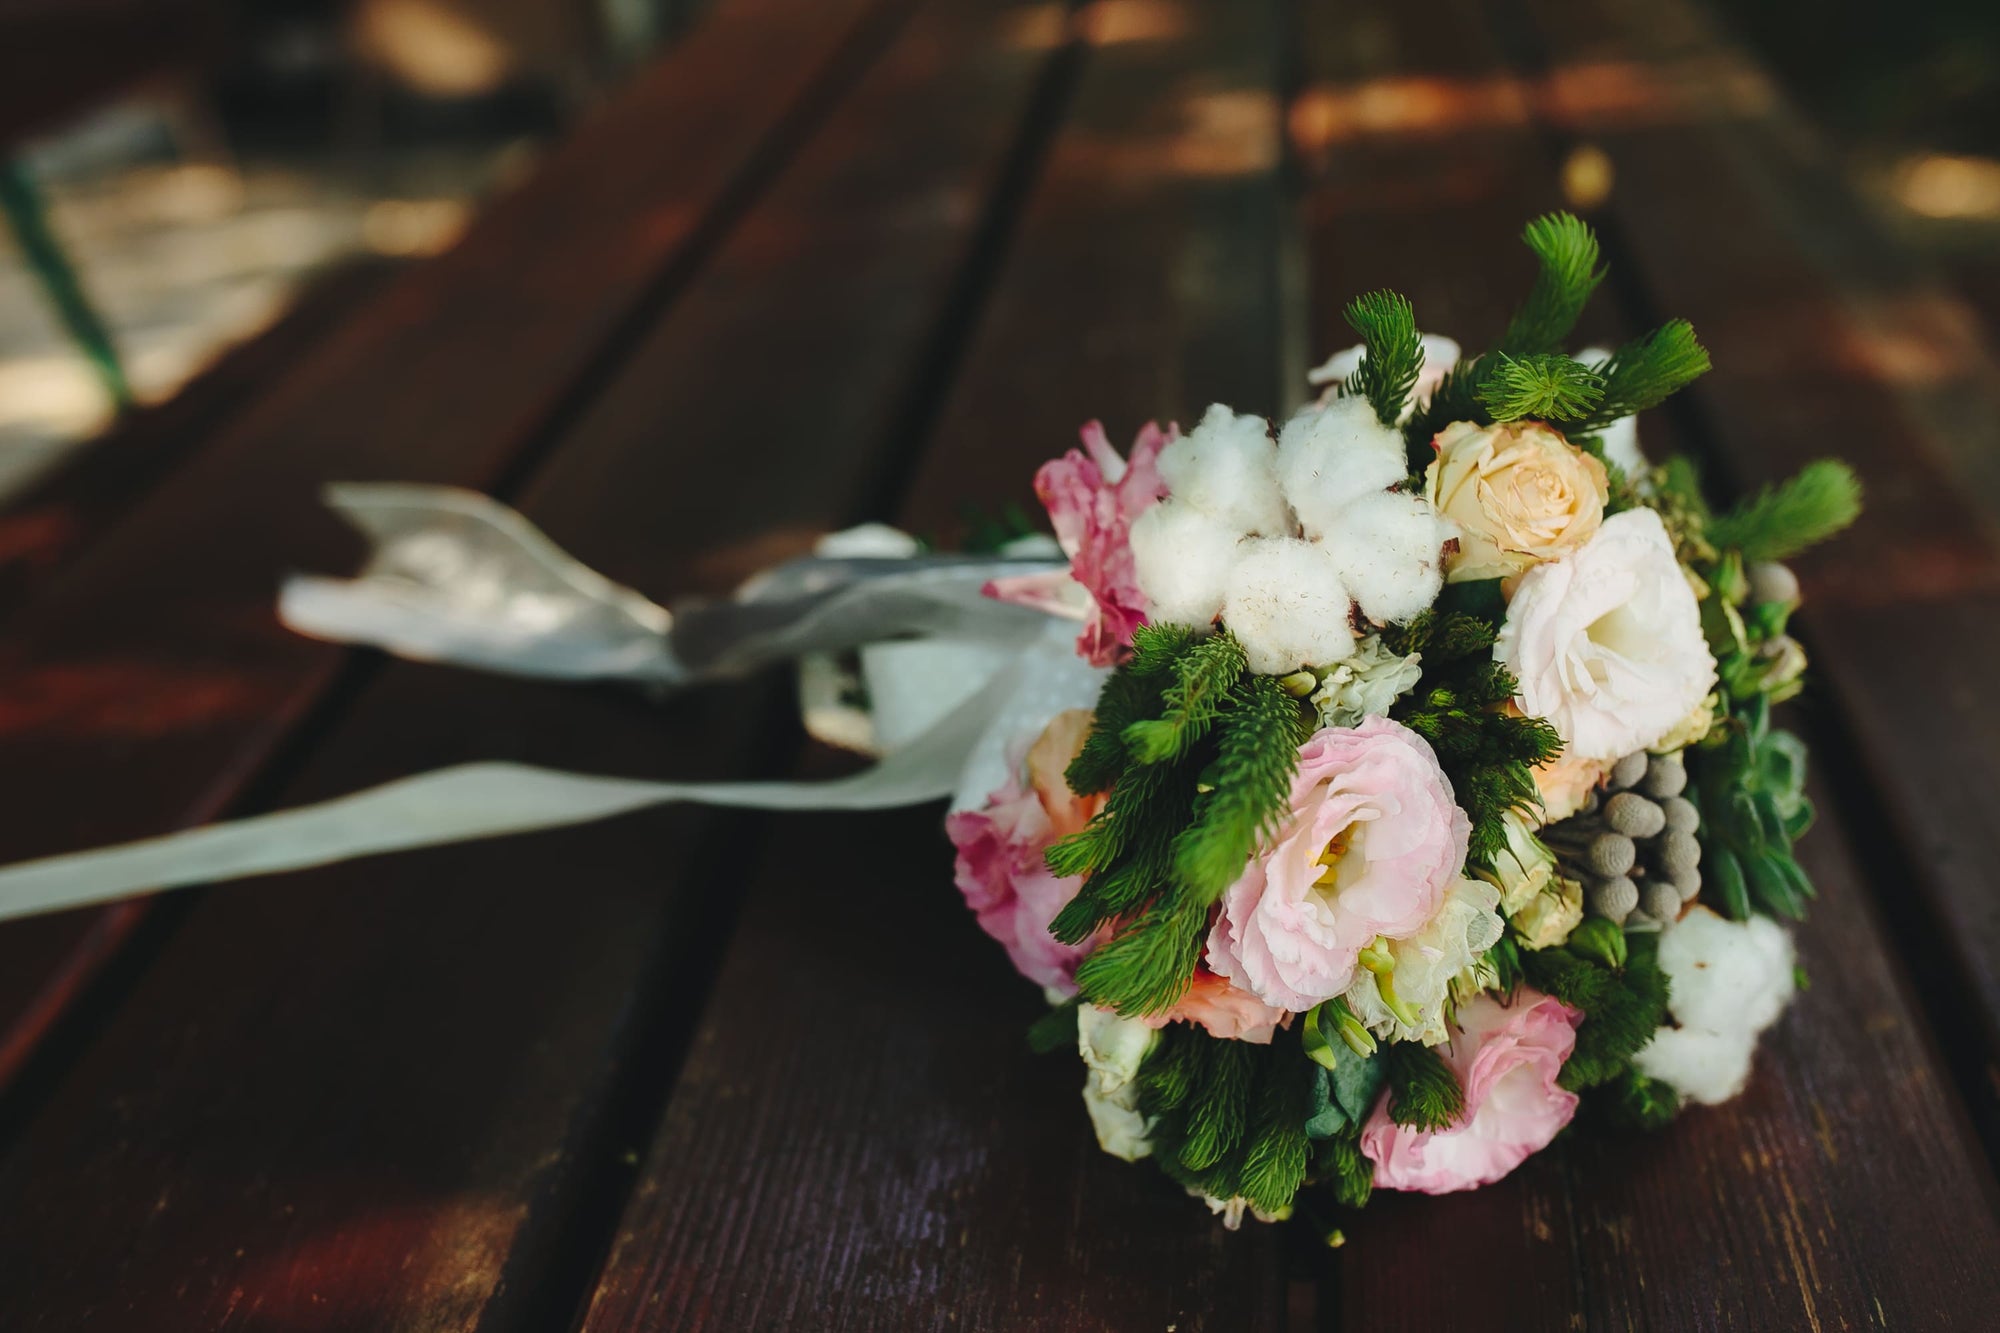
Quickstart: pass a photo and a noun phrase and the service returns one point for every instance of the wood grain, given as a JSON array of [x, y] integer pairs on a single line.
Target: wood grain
[[395, 1096], [148, 682], [860, 1139]]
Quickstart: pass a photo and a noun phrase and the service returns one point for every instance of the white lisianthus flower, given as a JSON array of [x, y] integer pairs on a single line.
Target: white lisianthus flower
[[1113, 1048], [1728, 981], [1466, 926], [1606, 642], [1366, 684]]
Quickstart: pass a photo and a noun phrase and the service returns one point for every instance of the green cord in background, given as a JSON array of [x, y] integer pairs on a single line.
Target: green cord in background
[[29, 217]]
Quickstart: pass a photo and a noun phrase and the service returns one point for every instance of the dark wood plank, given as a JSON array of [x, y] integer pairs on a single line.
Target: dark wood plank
[[1598, 1231], [149, 681], [397, 1095], [859, 1139]]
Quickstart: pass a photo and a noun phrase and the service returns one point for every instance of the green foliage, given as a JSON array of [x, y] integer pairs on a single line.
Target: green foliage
[[1780, 521], [1623, 1006], [988, 530], [1645, 372], [1638, 1102], [1339, 1162], [1229, 1116], [1247, 789], [1545, 387], [1423, 1092], [1748, 782], [1344, 1087], [1569, 274], [1392, 355], [1146, 965], [1488, 754], [1202, 676], [1055, 1030]]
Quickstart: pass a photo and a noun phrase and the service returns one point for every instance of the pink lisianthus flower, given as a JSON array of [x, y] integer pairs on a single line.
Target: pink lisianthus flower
[[1225, 1009], [1092, 496], [1507, 1058], [1000, 868], [1373, 845]]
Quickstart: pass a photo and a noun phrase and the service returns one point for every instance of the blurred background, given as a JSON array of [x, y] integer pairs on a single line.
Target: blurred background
[[180, 176]]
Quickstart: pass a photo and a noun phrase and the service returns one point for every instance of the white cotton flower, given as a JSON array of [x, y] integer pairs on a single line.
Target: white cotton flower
[[1606, 642], [1466, 926], [1182, 558], [1366, 684], [1389, 548], [1113, 1048], [1728, 981], [1226, 467], [1329, 457], [1287, 605]]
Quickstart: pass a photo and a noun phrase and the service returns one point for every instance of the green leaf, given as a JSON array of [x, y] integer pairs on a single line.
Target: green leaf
[[1780, 521], [1423, 1092], [1546, 387], [1392, 352], [1055, 1030], [1569, 274]]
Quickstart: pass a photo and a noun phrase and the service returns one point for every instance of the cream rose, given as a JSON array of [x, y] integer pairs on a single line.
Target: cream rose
[[1519, 492]]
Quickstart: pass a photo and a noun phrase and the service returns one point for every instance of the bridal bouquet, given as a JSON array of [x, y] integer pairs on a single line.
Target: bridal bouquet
[[1429, 787], [1433, 788]]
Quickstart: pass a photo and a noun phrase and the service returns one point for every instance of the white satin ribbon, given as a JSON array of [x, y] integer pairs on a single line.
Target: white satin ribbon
[[457, 577]]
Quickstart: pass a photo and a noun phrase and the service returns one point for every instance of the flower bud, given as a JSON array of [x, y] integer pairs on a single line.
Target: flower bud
[[1600, 939], [1522, 869]]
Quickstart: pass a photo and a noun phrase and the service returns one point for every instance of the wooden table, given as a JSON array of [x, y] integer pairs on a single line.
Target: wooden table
[[848, 259]]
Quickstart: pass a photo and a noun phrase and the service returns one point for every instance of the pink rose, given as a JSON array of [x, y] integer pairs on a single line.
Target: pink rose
[[1227, 1010], [1507, 1058], [1092, 497], [1000, 868], [1374, 843]]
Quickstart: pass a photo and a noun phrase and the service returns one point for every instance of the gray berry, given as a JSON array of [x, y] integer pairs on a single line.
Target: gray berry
[[1688, 884], [1627, 771], [1773, 582], [1665, 776], [1611, 855], [1660, 900], [1633, 815], [1614, 898], [1682, 817], [1676, 854]]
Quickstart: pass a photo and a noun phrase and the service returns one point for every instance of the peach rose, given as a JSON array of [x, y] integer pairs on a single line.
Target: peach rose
[[1519, 492]]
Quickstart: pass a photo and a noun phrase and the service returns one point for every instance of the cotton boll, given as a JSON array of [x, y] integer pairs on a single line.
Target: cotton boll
[[1329, 457], [1707, 1067], [1287, 604], [1727, 975], [1727, 982], [1227, 468], [1182, 558], [1389, 549]]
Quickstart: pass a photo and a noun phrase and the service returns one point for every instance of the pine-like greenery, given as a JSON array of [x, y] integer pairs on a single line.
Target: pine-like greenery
[[1782, 520], [1545, 387], [1194, 756], [1569, 273], [1423, 1092], [1622, 1006], [1228, 1117], [1645, 372], [1392, 353], [1488, 754]]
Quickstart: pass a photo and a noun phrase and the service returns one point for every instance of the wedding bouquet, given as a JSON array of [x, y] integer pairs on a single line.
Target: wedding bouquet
[[1433, 787], [1430, 784]]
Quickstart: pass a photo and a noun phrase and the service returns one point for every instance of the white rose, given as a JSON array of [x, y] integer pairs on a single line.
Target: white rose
[[1728, 981], [1606, 642]]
